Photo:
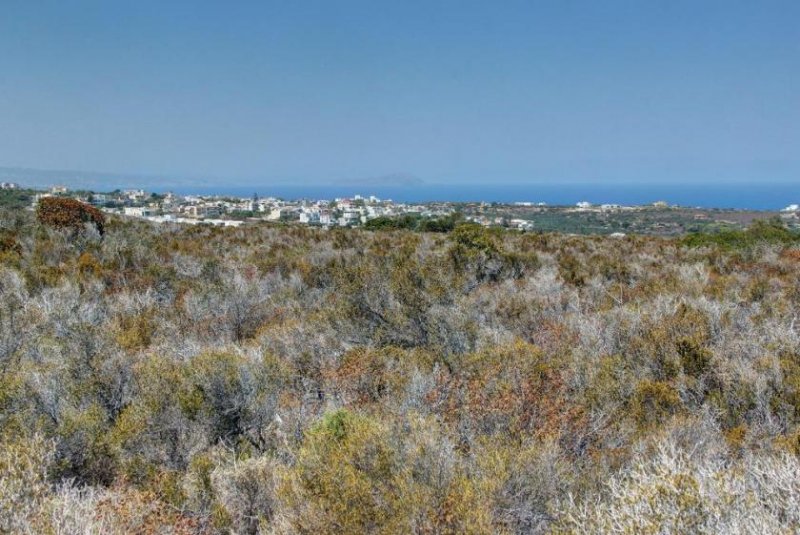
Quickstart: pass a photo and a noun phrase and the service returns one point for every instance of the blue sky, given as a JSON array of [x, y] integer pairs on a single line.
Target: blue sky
[[448, 91]]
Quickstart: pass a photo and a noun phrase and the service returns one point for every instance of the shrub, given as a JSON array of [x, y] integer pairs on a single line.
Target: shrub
[[64, 213], [408, 222], [674, 492], [246, 492], [772, 231], [347, 479], [24, 484], [653, 402], [695, 358], [480, 252], [9, 243], [571, 269]]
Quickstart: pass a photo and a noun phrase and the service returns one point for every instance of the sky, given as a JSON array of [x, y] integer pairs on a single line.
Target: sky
[[445, 92]]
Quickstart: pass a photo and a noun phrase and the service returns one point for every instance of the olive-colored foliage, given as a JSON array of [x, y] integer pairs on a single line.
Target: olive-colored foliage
[[415, 222], [9, 243], [355, 474], [480, 251], [15, 199], [572, 270], [771, 231], [695, 359], [653, 402], [351, 478]]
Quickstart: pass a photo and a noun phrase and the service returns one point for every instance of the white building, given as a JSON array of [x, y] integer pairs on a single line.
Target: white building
[[275, 214], [135, 194], [310, 217], [521, 224], [202, 210], [137, 211], [99, 198], [223, 222], [349, 217]]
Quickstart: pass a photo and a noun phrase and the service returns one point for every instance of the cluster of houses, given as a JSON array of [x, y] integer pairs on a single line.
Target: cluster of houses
[[342, 212], [9, 185], [234, 211], [499, 221], [585, 206], [791, 213]]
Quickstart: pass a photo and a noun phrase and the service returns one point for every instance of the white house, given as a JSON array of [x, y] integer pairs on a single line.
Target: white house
[[310, 217], [99, 198], [275, 214], [137, 211], [135, 194]]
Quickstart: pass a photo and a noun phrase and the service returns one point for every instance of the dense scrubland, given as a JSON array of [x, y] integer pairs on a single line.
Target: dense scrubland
[[165, 379]]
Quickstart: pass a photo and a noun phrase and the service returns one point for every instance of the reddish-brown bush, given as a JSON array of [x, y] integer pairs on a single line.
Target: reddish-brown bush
[[65, 213]]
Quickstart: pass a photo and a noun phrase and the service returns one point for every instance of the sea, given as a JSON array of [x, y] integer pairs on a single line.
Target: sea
[[753, 196]]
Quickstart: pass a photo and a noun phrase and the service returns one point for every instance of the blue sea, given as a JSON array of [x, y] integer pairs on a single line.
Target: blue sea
[[755, 196]]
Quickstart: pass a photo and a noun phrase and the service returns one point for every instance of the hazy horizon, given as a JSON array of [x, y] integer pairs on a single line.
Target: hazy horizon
[[769, 196]]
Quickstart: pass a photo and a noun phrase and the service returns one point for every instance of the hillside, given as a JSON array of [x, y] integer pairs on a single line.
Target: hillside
[[266, 379]]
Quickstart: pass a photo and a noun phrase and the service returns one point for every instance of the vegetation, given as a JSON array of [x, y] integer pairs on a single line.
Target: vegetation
[[66, 213], [771, 231], [15, 199], [415, 222], [650, 220], [280, 379]]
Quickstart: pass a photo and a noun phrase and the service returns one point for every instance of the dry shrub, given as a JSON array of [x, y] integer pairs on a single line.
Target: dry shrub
[[675, 491], [63, 213]]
